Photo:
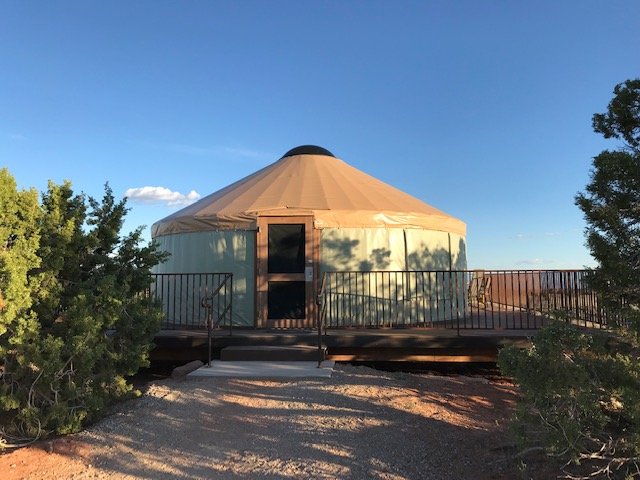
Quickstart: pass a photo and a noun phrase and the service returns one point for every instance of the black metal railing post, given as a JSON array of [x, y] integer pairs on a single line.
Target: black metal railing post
[[320, 311], [209, 306], [458, 301], [230, 276]]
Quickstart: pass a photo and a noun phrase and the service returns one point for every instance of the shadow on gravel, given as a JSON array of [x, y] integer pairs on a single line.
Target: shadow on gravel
[[360, 424]]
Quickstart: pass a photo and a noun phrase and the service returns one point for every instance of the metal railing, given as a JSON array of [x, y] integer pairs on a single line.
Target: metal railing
[[459, 299], [210, 301], [190, 300], [321, 313]]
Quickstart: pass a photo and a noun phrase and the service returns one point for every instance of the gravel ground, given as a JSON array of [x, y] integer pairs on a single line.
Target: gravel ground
[[360, 424]]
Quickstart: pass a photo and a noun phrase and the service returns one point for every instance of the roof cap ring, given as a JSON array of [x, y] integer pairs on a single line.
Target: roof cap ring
[[308, 150]]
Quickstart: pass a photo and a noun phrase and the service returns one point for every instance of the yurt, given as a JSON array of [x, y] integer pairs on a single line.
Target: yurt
[[280, 228]]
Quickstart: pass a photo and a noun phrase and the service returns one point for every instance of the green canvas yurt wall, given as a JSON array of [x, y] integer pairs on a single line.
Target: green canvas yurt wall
[[224, 251], [364, 224]]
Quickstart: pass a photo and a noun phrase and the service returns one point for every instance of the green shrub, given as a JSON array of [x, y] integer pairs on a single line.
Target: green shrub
[[74, 320], [581, 392], [580, 399]]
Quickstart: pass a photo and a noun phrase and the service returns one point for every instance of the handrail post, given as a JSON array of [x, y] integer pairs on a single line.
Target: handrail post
[[209, 306], [320, 355], [209, 332], [230, 276], [319, 314], [458, 301]]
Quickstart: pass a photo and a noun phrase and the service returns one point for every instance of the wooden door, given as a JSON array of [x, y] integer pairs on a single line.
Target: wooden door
[[287, 263]]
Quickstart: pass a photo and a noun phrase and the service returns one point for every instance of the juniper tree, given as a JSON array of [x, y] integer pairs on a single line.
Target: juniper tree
[[580, 391], [91, 324], [611, 205], [19, 240]]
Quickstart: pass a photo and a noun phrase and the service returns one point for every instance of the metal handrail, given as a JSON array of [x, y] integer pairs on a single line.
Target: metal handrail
[[179, 295], [321, 313], [207, 303]]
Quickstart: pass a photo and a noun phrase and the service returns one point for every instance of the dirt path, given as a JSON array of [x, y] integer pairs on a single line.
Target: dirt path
[[360, 424]]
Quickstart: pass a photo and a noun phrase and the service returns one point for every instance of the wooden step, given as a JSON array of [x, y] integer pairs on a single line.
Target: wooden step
[[271, 353]]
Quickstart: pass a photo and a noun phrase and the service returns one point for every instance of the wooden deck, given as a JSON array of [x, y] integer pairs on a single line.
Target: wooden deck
[[349, 344], [396, 316], [476, 337]]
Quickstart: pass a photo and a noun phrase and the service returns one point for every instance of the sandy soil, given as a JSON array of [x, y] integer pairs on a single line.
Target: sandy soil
[[360, 424]]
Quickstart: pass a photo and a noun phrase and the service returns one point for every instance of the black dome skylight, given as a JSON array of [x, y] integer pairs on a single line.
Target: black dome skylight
[[308, 150]]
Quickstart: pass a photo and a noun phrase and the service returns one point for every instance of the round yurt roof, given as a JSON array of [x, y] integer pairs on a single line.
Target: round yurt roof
[[308, 180]]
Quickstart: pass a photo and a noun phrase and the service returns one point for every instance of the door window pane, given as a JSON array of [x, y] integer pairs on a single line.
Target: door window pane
[[286, 300], [286, 248]]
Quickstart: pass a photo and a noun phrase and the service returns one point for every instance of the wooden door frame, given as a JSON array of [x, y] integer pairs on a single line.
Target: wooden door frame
[[312, 259]]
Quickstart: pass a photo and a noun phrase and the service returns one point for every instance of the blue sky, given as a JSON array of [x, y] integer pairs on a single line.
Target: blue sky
[[480, 108]]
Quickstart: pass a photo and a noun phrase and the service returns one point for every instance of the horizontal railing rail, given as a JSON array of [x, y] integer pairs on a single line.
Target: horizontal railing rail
[[188, 300], [459, 299]]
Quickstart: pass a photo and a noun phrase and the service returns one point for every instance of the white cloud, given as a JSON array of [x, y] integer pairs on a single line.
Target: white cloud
[[18, 137], [190, 149], [535, 262], [161, 195], [534, 236], [245, 152], [215, 151]]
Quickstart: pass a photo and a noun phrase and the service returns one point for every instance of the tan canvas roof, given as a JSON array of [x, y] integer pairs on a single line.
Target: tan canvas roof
[[336, 194]]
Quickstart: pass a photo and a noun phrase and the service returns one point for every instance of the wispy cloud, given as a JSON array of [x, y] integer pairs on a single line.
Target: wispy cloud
[[187, 149], [161, 196], [535, 262], [18, 137], [530, 236], [245, 152], [215, 151]]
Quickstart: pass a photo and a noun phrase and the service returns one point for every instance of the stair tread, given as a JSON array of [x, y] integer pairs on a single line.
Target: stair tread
[[272, 347], [272, 352]]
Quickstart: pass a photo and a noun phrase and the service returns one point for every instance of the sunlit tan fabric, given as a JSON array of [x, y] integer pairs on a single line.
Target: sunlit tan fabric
[[334, 193]]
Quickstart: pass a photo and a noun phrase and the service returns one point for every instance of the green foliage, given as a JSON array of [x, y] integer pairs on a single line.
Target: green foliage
[[622, 120], [580, 397], [74, 319], [611, 206], [580, 391], [19, 239]]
